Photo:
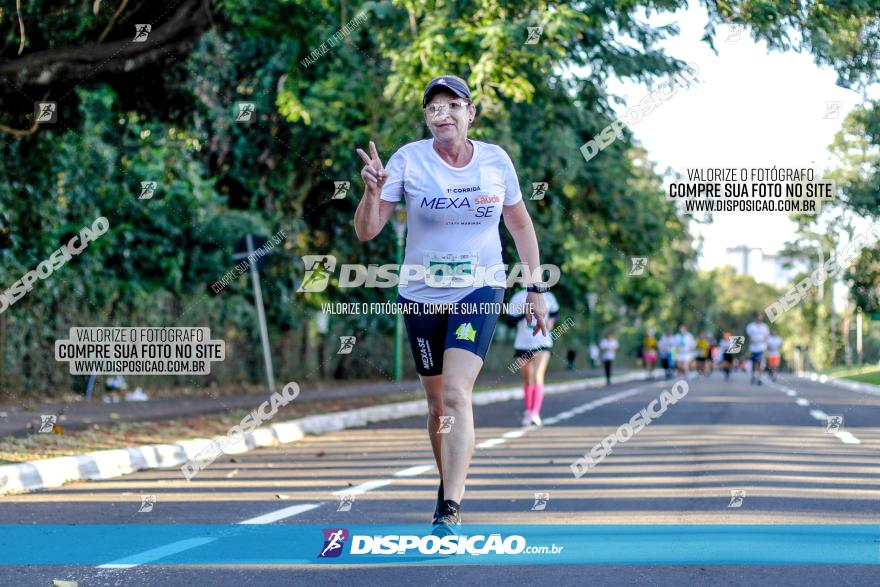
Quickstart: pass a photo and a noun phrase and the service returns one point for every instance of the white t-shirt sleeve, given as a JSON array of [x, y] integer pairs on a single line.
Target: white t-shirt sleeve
[[392, 191], [512, 192]]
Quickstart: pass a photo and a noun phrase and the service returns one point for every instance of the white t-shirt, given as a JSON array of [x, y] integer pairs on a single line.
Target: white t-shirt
[[723, 345], [609, 348], [684, 345], [774, 345], [452, 214], [525, 340], [665, 345], [758, 333]]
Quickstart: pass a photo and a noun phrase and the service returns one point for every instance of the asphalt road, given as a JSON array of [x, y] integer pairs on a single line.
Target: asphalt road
[[772, 442]]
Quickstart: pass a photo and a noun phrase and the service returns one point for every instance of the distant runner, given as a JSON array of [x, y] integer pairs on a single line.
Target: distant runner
[[609, 347], [684, 350], [774, 354], [758, 335], [702, 347], [532, 352], [724, 357], [649, 351], [666, 347]]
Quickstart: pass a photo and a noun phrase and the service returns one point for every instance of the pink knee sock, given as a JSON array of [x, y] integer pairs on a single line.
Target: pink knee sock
[[529, 394], [537, 397]]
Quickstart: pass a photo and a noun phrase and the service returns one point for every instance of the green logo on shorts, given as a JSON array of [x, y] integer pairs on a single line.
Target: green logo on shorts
[[465, 332]]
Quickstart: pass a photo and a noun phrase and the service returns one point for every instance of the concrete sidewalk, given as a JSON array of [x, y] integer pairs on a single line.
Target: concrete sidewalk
[[86, 412]]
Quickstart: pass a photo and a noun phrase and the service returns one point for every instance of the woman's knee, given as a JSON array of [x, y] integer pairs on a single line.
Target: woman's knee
[[456, 397], [435, 409]]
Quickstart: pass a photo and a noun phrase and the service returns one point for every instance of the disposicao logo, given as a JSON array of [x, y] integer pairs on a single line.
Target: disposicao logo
[[334, 540], [402, 544]]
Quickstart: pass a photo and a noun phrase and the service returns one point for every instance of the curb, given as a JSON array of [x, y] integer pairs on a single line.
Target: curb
[[868, 388], [106, 464]]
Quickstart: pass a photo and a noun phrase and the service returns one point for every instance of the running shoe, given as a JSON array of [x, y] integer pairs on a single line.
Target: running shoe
[[536, 420], [439, 503], [527, 418], [449, 520]]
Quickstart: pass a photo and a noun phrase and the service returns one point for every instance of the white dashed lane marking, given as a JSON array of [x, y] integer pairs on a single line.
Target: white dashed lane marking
[[842, 435]]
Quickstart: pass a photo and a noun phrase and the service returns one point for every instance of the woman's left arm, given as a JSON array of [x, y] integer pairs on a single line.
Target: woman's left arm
[[519, 223]]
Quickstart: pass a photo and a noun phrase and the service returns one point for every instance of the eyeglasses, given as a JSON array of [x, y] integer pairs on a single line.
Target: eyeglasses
[[454, 107]]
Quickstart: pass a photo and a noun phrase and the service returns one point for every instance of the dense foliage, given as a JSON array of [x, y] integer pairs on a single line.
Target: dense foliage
[[164, 111]]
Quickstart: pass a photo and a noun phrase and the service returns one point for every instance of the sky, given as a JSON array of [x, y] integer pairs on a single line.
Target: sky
[[750, 108]]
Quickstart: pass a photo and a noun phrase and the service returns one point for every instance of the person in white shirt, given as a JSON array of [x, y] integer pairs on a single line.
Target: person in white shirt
[[456, 191], [758, 333], [683, 346], [774, 354], [609, 347], [594, 355], [532, 352]]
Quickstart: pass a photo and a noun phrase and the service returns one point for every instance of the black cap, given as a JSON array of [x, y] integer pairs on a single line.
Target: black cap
[[454, 84]]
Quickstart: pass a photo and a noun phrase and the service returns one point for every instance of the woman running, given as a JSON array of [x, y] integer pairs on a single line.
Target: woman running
[[684, 351], [666, 348], [456, 191], [774, 354], [649, 352], [726, 356], [702, 347], [609, 347], [532, 353]]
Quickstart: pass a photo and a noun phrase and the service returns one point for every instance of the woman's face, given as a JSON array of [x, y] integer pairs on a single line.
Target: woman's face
[[448, 116]]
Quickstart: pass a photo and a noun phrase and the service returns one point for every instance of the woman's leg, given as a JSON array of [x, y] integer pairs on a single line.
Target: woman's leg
[[540, 363], [460, 370], [528, 385], [433, 385]]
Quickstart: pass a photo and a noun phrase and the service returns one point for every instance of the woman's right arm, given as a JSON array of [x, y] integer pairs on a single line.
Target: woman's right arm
[[372, 212], [371, 215]]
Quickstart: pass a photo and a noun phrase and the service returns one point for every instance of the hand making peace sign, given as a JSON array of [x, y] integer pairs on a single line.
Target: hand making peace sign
[[373, 173]]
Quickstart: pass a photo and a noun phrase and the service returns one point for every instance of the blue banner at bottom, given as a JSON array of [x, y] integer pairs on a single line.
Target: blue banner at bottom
[[165, 544]]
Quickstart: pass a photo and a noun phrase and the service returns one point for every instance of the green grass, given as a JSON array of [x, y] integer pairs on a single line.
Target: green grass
[[869, 377], [866, 374]]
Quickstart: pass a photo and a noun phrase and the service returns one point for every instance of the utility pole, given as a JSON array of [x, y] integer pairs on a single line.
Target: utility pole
[[399, 230], [258, 302], [859, 355]]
